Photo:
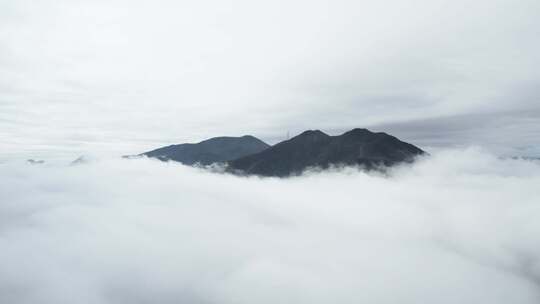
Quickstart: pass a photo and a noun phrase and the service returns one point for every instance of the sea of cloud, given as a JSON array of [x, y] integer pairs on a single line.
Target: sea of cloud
[[459, 226]]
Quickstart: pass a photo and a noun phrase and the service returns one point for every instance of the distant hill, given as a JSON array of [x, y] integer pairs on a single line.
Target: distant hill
[[80, 160], [317, 149], [218, 149], [35, 162]]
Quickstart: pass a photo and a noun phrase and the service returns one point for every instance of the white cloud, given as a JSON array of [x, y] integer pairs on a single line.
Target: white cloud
[[119, 77], [458, 227]]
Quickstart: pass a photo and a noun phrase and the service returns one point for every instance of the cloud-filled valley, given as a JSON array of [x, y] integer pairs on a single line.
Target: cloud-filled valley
[[459, 226]]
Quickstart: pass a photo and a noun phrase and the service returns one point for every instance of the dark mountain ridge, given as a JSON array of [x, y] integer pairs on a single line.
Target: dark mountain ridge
[[213, 150], [313, 148], [316, 149]]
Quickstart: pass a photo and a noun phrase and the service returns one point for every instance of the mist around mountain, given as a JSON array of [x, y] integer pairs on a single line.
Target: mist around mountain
[[460, 226]]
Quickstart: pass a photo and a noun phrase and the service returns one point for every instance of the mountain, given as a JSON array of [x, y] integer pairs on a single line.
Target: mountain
[[35, 162], [80, 160], [218, 149], [317, 149]]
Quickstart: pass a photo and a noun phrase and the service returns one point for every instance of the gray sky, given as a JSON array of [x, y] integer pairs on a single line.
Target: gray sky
[[120, 77]]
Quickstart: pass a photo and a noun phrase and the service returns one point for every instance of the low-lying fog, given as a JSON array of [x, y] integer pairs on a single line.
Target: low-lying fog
[[461, 226]]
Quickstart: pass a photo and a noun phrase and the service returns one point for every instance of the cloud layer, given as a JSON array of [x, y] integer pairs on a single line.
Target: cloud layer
[[458, 227], [119, 77]]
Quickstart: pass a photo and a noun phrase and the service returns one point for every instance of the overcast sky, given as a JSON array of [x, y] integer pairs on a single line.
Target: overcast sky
[[120, 77]]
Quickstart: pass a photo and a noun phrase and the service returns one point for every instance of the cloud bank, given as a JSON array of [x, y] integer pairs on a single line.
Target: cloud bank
[[458, 227], [117, 77]]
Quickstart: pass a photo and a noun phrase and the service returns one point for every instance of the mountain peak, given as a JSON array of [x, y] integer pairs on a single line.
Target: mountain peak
[[358, 131], [312, 135], [308, 137], [313, 148], [213, 150], [250, 137]]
